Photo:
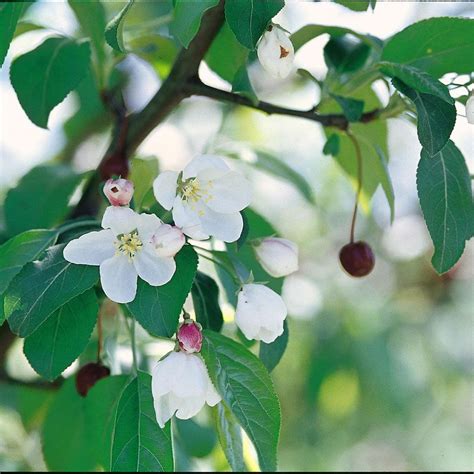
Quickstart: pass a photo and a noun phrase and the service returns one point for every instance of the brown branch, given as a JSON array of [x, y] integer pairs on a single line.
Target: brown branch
[[196, 87]]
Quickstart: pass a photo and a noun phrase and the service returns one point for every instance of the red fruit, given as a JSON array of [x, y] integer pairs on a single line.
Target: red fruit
[[357, 258], [88, 375]]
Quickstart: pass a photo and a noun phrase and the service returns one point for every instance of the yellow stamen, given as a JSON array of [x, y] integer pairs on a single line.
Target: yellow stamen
[[128, 244]]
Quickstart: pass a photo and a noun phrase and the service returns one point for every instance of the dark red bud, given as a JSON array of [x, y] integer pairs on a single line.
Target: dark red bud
[[357, 259], [88, 375]]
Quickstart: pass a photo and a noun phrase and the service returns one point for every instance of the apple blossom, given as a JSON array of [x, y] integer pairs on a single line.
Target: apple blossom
[[190, 336], [206, 198], [470, 109], [168, 240], [181, 386], [124, 251], [275, 52], [279, 257], [260, 312], [119, 192]]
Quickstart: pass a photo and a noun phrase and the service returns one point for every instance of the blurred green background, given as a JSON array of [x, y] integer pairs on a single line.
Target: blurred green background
[[378, 372]]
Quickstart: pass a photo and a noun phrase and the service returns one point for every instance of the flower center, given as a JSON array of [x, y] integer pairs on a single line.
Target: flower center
[[128, 244], [283, 52], [192, 191]]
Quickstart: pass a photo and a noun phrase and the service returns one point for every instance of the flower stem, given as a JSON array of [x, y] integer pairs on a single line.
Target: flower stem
[[134, 345], [359, 182]]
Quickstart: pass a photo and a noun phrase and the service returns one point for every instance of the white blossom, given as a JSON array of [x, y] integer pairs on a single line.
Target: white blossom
[[181, 386], [260, 313], [279, 257], [470, 109], [124, 251], [275, 52], [206, 198]]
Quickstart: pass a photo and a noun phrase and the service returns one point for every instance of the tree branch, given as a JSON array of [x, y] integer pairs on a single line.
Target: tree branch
[[196, 87], [168, 97]]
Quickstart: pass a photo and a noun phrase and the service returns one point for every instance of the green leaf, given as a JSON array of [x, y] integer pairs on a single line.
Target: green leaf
[[436, 45], [271, 354], [226, 55], [248, 19], [417, 79], [20, 250], [43, 287], [91, 17], [10, 13], [138, 443], [332, 145], [43, 77], [25, 27], [352, 108], [355, 5], [444, 191], [345, 55], [41, 198], [436, 118], [247, 391], [187, 18], [230, 438], [241, 84], [386, 182], [100, 410], [57, 343], [271, 164], [157, 308], [310, 32], [205, 293], [66, 447], [197, 440], [142, 173], [114, 29]]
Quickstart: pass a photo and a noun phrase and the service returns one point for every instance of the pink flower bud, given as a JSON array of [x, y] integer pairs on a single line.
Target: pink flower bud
[[168, 240], [119, 192], [190, 337]]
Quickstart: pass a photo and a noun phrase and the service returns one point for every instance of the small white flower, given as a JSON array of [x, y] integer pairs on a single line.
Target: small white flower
[[181, 386], [470, 109], [168, 240], [279, 257], [260, 313], [206, 198], [124, 251], [275, 52]]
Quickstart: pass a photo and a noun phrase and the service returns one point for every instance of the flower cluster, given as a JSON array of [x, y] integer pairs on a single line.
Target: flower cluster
[[205, 200]]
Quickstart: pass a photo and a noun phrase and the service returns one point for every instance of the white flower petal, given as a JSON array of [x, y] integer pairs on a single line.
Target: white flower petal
[[188, 220], [153, 269], [189, 407], [279, 257], [165, 408], [91, 249], [168, 240], [118, 278], [260, 312], [167, 372], [230, 193], [164, 188], [269, 52], [226, 227], [121, 220], [203, 162], [147, 225], [212, 397]]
